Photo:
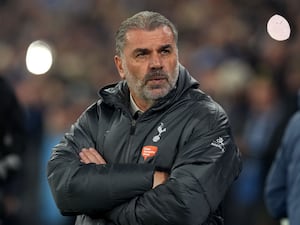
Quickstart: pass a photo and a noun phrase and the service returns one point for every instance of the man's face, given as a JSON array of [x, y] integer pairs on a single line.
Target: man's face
[[149, 64]]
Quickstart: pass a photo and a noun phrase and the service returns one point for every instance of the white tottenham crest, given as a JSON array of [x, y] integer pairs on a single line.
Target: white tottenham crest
[[160, 130], [219, 143]]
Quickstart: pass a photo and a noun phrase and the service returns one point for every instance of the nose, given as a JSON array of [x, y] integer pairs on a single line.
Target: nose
[[155, 61]]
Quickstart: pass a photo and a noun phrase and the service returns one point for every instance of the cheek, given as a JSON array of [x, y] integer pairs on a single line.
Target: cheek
[[170, 63], [174, 62], [137, 71], [173, 66]]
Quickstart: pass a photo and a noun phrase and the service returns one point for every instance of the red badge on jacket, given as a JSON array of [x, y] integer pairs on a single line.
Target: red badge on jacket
[[149, 151]]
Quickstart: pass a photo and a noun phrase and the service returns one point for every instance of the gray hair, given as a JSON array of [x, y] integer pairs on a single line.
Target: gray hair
[[145, 20]]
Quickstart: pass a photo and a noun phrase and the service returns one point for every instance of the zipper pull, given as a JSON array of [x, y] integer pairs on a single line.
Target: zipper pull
[[135, 117], [132, 128]]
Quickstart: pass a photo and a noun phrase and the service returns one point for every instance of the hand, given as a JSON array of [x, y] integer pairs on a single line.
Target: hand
[[91, 155], [159, 178]]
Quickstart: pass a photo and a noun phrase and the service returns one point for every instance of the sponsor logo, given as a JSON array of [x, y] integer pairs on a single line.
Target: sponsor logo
[[219, 143], [149, 151]]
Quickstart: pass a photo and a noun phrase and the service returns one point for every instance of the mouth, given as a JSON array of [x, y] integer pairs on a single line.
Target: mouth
[[156, 80]]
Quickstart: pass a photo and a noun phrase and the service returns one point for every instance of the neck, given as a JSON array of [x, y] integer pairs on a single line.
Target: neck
[[142, 104]]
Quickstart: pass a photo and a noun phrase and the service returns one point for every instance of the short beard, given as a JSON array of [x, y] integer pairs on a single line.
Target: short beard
[[147, 92]]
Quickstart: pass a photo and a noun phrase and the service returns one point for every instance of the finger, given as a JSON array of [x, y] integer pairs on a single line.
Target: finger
[[83, 157], [90, 156], [97, 155], [86, 156]]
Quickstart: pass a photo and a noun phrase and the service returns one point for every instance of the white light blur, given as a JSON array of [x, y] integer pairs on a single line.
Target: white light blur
[[39, 57], [278, 28]]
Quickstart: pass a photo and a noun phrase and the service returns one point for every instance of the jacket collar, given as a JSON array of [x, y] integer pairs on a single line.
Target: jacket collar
[[117, 95]]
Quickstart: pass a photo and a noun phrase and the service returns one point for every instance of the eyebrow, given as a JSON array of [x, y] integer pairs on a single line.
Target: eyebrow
[[165, 46], [146, 50]]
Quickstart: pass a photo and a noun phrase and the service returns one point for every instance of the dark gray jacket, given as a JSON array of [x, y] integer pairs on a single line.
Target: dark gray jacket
[[186, 133]]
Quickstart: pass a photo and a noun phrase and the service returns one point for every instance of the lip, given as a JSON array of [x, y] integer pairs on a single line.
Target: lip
[[156, 78], [160, 78]]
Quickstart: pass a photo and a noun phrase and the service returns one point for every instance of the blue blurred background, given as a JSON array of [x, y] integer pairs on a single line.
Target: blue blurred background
[[224, 44]]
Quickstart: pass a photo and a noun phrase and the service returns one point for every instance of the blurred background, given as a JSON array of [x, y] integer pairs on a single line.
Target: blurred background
[[224, 44]]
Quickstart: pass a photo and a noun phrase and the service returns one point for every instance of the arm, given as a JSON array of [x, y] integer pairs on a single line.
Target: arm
[[201, 176], [91, 155], [293, 200], [282, 186], [80, 188], [276, 189]]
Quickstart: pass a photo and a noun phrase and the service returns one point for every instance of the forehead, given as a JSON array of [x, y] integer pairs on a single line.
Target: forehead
[[140, 38]]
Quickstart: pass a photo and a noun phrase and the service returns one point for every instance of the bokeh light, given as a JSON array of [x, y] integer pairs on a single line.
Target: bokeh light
[[39, 57], [278, 28]]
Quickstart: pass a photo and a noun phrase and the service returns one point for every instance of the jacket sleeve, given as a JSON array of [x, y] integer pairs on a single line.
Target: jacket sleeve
[[282, 185], [204, 169], [276, 188], [91, 189]]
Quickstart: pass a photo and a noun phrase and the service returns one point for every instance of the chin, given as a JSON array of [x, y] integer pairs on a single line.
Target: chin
[[155, 94]]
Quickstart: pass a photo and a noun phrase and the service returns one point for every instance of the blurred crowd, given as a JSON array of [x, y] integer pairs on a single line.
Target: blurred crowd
[[225, 46]]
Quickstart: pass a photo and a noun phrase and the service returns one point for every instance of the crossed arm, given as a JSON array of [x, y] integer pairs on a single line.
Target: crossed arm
[[91, 155], [122, 193]]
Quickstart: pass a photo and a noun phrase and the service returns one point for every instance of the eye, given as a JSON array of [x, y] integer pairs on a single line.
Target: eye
[[165, 51], [140, 54]]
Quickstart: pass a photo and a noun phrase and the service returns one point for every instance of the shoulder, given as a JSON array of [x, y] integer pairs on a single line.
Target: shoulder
[[288, 150], [204, 103], [293, 126], [91, 112], [206, 109], [295, 120], [98, 110], [292, 132]]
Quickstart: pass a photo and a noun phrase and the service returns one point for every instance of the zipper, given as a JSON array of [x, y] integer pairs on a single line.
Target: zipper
[[135, 117], [133, 125], [129, 145]]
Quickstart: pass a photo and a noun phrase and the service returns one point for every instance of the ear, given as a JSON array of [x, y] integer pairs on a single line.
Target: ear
[[119, 65]]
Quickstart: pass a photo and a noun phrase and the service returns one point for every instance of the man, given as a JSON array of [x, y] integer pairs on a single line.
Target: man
[[282, 193], [12, 149], [171, 165]]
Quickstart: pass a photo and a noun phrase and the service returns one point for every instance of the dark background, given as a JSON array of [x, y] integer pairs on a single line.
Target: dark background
[[224, 44]]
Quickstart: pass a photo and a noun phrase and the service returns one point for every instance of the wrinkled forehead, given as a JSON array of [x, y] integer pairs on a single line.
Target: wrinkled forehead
[[160, 35]]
